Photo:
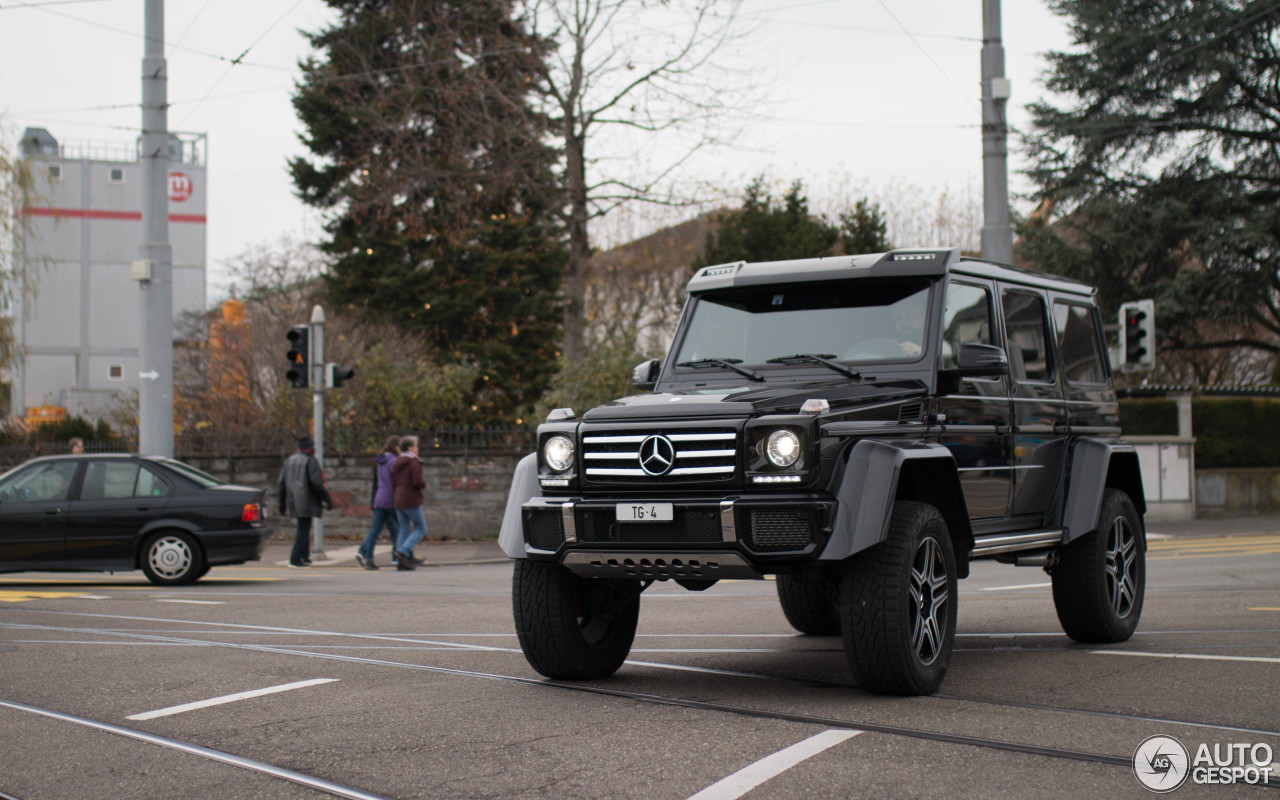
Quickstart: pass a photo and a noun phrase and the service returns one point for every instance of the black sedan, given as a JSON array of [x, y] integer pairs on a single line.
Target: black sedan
[[121, 512]]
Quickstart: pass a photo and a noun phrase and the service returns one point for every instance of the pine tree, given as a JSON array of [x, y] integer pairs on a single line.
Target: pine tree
[[431, 162], [1160, 167], [764, 231]]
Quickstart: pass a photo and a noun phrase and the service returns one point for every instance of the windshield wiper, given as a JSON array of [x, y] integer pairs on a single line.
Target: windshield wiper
[[816, 358], [727, 363]]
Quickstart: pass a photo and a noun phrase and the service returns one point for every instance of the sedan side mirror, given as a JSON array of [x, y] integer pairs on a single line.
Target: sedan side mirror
[[645, 375]]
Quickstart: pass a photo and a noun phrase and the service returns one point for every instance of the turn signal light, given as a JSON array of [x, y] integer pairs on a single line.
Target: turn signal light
[[252, 513]]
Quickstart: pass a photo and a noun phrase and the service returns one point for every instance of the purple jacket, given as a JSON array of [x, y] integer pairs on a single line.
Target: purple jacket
[[382, 489]]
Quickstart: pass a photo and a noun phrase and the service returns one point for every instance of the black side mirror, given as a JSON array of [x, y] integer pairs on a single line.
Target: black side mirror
[[981, 360], [645, 375], [973, 361]]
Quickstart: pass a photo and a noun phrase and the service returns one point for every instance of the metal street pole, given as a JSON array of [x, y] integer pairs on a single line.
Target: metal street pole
[[997, 233], [317, 412], [154, 269]]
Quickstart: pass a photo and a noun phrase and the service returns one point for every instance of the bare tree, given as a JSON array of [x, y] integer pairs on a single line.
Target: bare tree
[[624, 68]]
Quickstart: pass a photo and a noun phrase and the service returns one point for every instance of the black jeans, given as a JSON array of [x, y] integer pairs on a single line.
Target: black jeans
[[302, 542]]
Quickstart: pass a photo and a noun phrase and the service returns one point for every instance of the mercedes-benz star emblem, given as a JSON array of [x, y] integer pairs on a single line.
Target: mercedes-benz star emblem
[[657, 454]]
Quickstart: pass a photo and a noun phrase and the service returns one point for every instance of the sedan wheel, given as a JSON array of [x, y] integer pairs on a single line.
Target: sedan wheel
[[172, 559]]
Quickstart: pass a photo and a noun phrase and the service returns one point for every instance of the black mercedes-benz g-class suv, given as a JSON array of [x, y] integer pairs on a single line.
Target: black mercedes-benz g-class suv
[[861, 427]]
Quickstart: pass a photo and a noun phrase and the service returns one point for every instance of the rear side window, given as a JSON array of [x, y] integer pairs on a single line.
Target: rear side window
[[1026, 327], [150, 485], [1078, 343]]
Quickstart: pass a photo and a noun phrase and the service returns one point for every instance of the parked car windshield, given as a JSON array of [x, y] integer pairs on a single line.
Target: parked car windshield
[[191, 473], [855, 320]]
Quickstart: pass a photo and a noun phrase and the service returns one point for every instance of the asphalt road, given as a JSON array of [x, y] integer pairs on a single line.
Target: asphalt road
[[337, 681]]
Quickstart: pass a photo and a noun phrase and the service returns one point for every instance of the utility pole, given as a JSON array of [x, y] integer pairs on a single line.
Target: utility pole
[[317, 413], [154, 268], [997, 233]]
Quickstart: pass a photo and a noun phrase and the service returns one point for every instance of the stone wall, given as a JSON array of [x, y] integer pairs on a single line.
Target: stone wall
[[464, 498], [1237, 492]]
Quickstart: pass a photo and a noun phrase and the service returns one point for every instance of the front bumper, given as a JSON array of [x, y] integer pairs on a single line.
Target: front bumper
[[742, 536]]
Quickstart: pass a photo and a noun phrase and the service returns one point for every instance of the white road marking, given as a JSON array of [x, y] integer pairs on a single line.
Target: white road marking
[[684, 668], [229, 698], [1010, 588], [769, 767], [302, 779], [193, 602], [1193, 656]]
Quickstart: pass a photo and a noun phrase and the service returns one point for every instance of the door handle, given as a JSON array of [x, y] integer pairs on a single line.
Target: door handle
[[53, 511]]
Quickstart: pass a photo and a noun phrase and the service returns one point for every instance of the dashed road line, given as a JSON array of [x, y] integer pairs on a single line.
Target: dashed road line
[[769, 767], [293, 776], [1188, 656], [228, 698]]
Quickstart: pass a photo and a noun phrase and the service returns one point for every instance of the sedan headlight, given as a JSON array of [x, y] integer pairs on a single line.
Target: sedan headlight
[[782, 448], [558, 453]]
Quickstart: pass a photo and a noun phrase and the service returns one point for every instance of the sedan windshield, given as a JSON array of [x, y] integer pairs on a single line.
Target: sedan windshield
[[860, 320]]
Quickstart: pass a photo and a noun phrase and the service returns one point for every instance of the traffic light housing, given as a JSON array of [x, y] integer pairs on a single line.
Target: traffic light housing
[[1138, 334], [299, 356], [335, 374]]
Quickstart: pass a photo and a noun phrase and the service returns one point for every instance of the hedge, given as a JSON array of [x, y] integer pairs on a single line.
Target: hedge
[[1229, 431]]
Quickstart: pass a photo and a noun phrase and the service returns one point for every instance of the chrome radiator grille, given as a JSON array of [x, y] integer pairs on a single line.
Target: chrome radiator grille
[[666, 456]]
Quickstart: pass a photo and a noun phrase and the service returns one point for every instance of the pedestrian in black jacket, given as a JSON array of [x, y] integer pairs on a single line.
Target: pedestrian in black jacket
[[303, 495]]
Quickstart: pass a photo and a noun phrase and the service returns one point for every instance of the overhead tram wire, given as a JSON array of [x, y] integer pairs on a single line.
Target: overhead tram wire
[[235, 62]]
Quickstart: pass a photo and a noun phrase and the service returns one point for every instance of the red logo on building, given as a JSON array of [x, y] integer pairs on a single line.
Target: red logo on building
[[180, 186]]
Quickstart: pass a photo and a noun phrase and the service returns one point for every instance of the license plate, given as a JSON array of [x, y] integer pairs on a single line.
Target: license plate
[[644, 512]]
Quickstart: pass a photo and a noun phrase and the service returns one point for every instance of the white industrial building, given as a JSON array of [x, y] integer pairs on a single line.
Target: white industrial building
[[80, 329]]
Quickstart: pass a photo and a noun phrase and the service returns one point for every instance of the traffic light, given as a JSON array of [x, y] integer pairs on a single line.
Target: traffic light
[[1138, 334], [335, 374], [298, 356]]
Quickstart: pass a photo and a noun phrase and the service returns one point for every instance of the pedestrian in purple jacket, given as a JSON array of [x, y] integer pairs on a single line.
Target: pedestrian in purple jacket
[[384, 512]]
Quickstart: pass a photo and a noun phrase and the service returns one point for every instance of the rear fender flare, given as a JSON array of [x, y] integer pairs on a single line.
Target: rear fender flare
[[1097, 465], [874, 479]]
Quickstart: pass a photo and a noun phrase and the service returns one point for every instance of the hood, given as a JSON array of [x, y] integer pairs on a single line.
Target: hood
[[746, 401], [384, 458]]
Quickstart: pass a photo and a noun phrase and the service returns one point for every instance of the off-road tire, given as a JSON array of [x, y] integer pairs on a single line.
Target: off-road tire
[[1099, 583], [898, 605], [808, 607], [172, 558], [573, 628]]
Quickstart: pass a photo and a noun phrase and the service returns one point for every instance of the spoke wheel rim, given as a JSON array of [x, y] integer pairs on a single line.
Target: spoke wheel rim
[[170, 557], [1119, 566], [930, 598]]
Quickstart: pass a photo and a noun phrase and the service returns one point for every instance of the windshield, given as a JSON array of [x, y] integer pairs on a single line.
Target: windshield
[[858, 320]]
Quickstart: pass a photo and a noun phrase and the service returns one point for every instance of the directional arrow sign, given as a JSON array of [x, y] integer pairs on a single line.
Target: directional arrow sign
[[149, 376]]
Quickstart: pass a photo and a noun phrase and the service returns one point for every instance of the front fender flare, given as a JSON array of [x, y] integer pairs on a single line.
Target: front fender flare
[[524, 486], [871, 485]]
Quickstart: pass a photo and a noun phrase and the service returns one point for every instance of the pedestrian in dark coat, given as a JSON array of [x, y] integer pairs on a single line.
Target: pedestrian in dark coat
[[382, 503], [407, 483], [303, 496]]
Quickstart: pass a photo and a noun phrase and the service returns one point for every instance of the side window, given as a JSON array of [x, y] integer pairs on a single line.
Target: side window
[[150, 485], [1026, 327], [965, 320], [43, 484], [1078, 343]]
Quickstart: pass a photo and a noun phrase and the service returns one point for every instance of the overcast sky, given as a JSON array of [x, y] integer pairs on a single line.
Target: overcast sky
[[880, 91]]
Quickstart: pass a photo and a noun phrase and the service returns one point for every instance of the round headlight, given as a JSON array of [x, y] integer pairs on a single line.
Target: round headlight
[[783, 448], [558, 453]]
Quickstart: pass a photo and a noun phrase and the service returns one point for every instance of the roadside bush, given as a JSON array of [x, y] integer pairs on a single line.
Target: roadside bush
[[1229, 431]]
